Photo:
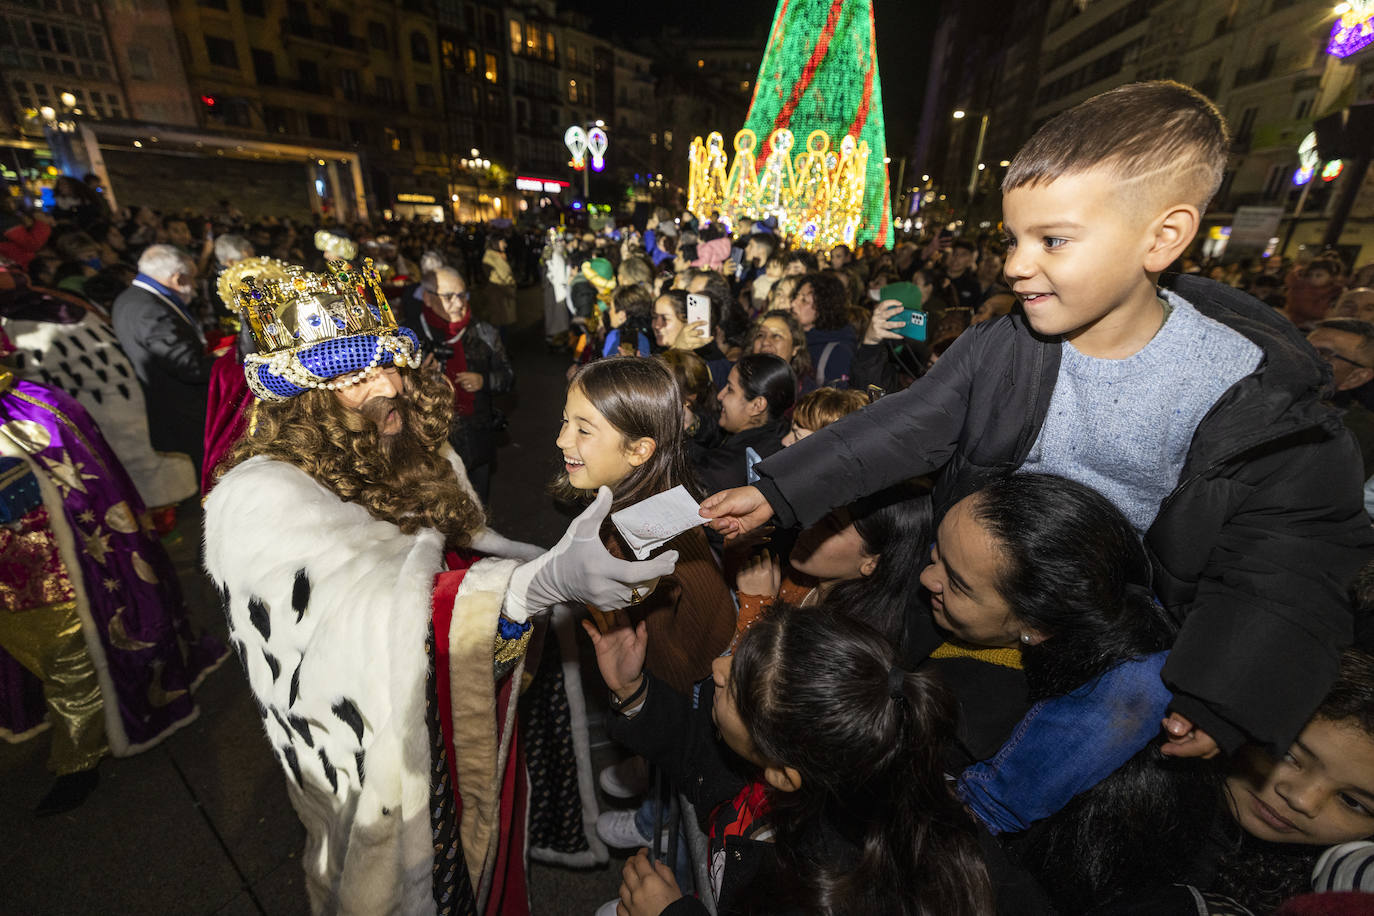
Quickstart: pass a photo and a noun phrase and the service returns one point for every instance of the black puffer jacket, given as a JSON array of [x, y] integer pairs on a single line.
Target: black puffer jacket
[[1252, 551]]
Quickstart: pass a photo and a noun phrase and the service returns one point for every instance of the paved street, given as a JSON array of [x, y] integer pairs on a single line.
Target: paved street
[[201, 824]]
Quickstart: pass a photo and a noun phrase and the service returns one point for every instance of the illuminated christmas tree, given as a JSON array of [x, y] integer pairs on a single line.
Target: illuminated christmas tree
[[820, 72]]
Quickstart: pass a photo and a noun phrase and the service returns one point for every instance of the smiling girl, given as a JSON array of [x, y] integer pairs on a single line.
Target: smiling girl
[[622, 428]]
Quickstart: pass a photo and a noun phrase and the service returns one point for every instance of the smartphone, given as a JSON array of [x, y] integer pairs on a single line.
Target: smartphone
[[913, 324], [699, 309]]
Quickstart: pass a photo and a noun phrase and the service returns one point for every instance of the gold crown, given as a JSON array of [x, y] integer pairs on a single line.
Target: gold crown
[[295, 307], [318, 330]]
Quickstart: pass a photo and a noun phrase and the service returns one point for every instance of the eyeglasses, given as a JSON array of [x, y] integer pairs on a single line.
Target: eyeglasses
[[449, 298], [1329, 354]]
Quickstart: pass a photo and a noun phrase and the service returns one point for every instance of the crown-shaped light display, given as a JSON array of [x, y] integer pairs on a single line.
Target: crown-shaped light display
[[816, 198], [319, 330]]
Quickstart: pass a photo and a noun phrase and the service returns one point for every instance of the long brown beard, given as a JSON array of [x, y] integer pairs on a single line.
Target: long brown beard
[[403, 478]]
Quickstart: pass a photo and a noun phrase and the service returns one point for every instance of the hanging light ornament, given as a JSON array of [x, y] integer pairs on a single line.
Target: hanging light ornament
[[596, 145], [575, 139]]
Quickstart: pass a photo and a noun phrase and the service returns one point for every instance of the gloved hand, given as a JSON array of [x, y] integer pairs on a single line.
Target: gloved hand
[[579, 568]]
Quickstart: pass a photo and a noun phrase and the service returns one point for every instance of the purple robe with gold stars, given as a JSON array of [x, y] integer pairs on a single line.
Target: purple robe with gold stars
[[78, 563]]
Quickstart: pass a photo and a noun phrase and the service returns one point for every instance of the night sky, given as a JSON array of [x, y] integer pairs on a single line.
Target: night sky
[[904, 29]]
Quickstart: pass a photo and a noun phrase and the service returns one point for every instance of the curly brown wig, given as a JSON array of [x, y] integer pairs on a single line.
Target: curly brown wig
[[403, 479]]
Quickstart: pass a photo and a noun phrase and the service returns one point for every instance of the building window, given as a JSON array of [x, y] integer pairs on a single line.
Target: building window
[[532, 40], [572, 90], [493, 32], [221, 52], [309, 75], [517, 38], [253, 8], [470, 60], [378, 36], [386, 89], [215, 4], [550, 49], [298, 12], [419, 47], [429, 141], [264, 67], [348, 83], [357, 131], [490, 74], [140, 64], [572, 56], [448, 55], [276, 119], [317, 125], [393, 139], [424, 95]]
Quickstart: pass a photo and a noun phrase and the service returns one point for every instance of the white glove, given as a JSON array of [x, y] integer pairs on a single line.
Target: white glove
[[579, 568], [494, 544]]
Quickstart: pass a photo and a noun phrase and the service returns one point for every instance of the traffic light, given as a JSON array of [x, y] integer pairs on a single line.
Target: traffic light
[[210, 104]]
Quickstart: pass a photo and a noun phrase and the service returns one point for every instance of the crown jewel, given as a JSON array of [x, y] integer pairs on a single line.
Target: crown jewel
[[318, 330]]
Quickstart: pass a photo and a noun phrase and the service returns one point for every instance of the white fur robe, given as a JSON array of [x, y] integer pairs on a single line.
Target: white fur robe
[[329, 610]]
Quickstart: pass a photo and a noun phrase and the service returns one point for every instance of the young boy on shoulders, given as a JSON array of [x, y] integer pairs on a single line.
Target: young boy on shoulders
[[1192, 406]]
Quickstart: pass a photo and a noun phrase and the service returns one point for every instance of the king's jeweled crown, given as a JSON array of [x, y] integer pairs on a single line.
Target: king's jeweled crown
[[319, 330], [286, 312]]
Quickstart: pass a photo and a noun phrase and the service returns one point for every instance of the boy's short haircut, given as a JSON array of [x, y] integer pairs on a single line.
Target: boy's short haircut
[[818, 409], [767, 240], [1160, 131], [633, 299]]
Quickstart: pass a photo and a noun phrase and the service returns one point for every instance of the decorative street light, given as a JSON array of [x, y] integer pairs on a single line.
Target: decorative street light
[[583, 139]]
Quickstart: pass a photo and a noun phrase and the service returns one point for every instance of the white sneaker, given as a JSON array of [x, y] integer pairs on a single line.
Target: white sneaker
[[617, 829], [627, 779], [607, 908]]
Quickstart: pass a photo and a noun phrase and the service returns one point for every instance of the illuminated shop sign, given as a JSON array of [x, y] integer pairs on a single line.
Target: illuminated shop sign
[[416, 199], [546, 185]]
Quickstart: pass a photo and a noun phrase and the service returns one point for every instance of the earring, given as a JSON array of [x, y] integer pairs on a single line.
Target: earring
[[1026, 638]]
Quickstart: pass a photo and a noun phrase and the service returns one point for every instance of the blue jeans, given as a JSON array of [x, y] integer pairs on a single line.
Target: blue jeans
[[1066, 745]]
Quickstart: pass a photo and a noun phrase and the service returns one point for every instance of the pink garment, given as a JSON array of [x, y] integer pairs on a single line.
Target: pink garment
[[712, 254], [225, 414]]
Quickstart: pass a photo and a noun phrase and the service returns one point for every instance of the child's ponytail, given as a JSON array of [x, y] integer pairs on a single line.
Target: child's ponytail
[[822, 694]]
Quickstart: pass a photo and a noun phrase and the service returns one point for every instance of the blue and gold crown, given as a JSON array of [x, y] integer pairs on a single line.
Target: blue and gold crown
[[314, 330]]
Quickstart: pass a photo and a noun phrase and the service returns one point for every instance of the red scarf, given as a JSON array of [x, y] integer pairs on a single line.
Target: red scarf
[[463, 401]]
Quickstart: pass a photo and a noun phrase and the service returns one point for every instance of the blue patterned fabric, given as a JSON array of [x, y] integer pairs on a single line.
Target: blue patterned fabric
[[330, 359], [19, 493]]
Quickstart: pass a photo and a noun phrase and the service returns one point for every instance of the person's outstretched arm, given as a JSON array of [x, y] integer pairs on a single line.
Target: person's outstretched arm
[[903, 435]]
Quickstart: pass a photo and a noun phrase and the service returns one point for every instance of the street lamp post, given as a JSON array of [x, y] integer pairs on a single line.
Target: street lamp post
[[587, 138]]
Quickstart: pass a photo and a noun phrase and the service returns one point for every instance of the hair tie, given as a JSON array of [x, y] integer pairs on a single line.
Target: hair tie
[[896, 681]]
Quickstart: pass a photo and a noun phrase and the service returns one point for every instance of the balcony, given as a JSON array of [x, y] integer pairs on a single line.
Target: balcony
[[319, 36]]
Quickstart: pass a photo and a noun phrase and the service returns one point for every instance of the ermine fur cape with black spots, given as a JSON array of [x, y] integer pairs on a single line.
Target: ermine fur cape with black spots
[[329, 609]]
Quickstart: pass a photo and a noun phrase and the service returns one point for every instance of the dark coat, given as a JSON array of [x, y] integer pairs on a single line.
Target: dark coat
[[726, 465], [173, 366], [1252, 551], [473, 437]]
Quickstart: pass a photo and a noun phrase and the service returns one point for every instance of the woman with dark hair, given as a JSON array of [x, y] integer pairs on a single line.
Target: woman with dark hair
[[845, 809], [778, 332], [758, 392], [1044, 574], [821, 305], [671, 331]]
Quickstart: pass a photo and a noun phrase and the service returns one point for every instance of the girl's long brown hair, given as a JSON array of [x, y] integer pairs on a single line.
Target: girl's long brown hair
[[402, 479], [640, 398]]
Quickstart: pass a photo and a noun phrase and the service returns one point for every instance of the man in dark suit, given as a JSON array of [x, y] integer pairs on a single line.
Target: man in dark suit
[[161, 335]]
